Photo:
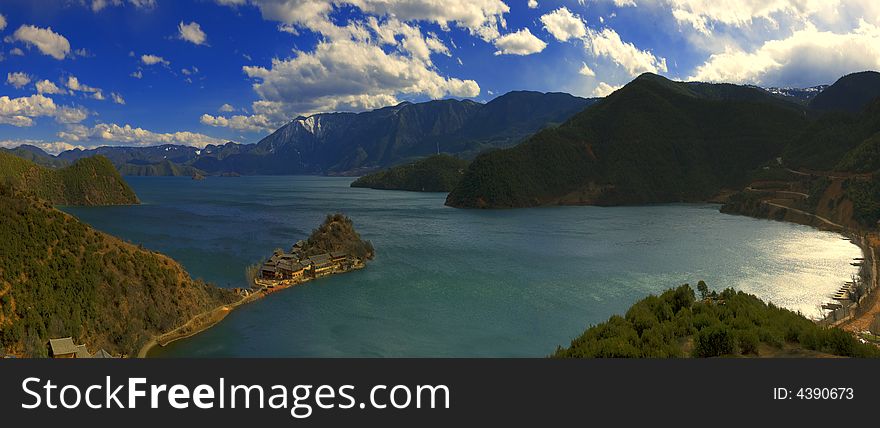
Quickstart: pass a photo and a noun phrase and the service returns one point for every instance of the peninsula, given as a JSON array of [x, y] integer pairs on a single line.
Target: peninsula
[[334, 247]]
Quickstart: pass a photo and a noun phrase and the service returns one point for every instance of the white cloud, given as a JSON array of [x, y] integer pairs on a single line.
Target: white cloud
[[805, 58], [350, 75], [51, 147], [16, 52], [66, 114], [117, 98], [586, 71], [74, 85], [18, 79], [564, 25], [226, 108], [603, 89], [99, 5], [47, 41], [47, 87], [607, 43], [480, 17], [192, 33], [137, 74], [2, 22], [533, 4], [20, 112], [521, 42], [254, 123], [112, 133], [150, 59]]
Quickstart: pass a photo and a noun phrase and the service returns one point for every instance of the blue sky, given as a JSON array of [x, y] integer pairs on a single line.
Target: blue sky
[[85, 73]]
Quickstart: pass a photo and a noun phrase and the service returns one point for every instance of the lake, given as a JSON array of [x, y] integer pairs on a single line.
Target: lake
[[456, 283]]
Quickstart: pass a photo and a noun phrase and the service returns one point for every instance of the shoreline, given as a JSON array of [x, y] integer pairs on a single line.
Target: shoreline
[[862, 239], [205, 320]]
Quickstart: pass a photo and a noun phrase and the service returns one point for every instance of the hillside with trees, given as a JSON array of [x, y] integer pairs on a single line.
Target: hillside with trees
[[337, 233], [729, 324], [438, 173], [88, 181], [59, 277], [654, 140]]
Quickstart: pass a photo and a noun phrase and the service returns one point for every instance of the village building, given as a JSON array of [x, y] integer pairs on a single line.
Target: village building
[[102, 354], [321, 264], [65, 348]]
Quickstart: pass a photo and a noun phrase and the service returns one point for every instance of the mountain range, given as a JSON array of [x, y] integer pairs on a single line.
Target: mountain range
[[352, 143], [656, 140]]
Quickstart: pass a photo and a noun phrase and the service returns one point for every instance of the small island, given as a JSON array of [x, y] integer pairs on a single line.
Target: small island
[[334, 247]]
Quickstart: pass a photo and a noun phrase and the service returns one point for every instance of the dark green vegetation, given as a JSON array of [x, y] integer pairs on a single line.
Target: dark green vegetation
[[337, 234], [36, 155], [351, 143], [865, 195], [59, 277], [163, 168], [731, 323], [850, 93], [88, 181], [438, 173], [654, 140]]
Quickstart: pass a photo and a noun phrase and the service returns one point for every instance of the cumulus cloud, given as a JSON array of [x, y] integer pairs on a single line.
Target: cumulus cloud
[[349, 75], [564, 25], [75, 85], [533, 4], [44, 39], [16, 52], [805, 58], [150, 59], [586, 71], [192, 33], [480, 17], [51, 147], [117, 98], [104, 134], [99, 5], [521, 42], [48, 87], [607, 43], [226, 108], [603, 89], [18, 80], [137, 74], [2, 22], [21, 111], [253, 123]]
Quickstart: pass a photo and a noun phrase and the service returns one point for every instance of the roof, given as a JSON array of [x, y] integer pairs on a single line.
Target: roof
[[82, 352], [62, 346], [268, 268], [320, 258], [299, 244], [336, 254], [102, 354], [290, 265]]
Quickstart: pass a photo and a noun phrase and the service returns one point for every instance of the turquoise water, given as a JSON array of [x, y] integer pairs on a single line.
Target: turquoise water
[[449, 282]]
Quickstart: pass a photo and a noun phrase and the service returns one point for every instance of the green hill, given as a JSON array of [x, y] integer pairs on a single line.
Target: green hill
[[37, 156], [732, 323], [164, 168], [654, 140], [337, 233], [88, 181], [59, 277], [438, 173], [850, 93]]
